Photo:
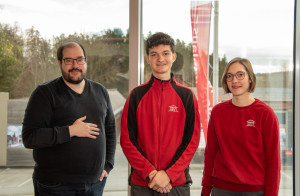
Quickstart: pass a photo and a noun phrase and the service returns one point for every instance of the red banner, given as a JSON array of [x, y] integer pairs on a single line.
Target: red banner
[[200, 18]]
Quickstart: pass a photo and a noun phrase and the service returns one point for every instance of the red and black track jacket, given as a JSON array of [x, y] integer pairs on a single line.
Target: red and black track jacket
[[160, 130]]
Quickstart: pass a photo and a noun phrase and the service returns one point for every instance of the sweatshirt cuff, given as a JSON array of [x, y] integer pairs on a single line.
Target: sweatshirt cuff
[[108, 167], [206, 190], [173, 177], [146, 172], [63, 134]]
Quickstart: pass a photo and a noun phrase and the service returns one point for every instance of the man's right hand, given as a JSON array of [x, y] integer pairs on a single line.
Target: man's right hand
[[82, 129], [152, 174]]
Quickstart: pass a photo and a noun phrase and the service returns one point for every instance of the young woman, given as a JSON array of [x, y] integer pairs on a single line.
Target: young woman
[[242, 154]]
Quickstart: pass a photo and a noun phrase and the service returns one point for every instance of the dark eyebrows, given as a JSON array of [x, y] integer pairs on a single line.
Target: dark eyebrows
[[76, 57], [237, 72], [169, 51]]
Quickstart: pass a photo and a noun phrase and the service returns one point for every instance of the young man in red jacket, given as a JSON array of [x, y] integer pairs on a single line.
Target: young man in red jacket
[[160, 128]]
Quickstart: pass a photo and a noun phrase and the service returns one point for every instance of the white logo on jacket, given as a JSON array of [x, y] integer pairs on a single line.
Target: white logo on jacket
[[250, 123], [173, 108]]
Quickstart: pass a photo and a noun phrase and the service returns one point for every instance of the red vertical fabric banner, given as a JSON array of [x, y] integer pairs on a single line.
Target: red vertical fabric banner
[[200, 19]]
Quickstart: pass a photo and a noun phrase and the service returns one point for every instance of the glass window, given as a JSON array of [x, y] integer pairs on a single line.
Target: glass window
[[30, 33], [253, 31], [259, 31]]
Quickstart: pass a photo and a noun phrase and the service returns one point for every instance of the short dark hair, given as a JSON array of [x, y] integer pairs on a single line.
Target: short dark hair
[[247, 64], [158, 39], [68, 45]]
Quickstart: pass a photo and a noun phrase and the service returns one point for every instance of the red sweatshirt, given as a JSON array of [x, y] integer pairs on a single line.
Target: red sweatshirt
[[243, 150], [160, 130]]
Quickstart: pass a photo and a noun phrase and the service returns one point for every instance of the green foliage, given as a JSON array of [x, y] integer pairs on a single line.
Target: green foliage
[[10, 56], [184, 64], [30, 60], [38, 64]]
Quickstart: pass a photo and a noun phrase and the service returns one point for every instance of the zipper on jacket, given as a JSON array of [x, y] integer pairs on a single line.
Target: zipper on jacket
[[160, 124]]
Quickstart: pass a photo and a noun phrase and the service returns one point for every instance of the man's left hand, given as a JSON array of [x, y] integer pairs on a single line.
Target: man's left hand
[[161, 179], [166, 189], [104, 174]]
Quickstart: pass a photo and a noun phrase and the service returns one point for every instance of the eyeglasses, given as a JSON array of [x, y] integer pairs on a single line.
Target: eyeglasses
[[79, 61], [240, 75]]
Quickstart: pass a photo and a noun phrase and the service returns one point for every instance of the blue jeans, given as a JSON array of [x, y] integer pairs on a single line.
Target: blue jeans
[[58, 189]]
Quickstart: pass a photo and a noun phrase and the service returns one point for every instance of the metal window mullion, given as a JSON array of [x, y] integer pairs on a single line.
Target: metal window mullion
[[296, 100], [135, 70]]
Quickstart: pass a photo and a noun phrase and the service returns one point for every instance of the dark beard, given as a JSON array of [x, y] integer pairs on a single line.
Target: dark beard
[[69, 79]]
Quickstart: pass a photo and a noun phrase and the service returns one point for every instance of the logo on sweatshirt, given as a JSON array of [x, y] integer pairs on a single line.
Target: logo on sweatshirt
[[173, 108], [250, 123]]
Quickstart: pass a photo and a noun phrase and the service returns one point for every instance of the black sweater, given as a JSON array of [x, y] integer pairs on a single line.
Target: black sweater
[[53, 107]]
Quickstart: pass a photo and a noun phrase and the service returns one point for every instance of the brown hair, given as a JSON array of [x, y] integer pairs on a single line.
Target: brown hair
[[246, 63], [68, 45], [158, 39]]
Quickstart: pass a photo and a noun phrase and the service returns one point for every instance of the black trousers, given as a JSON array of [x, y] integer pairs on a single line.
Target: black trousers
[[183, 190], [221, 192]]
